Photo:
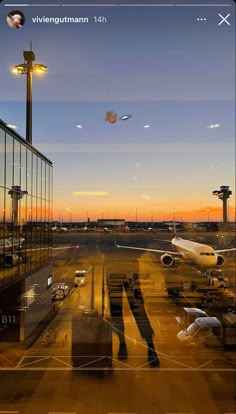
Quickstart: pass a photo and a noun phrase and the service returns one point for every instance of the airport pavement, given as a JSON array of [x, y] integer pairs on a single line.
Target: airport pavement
[[194, 380]]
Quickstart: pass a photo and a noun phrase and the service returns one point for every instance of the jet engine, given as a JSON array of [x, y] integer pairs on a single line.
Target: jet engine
[[167, 260], [220, 260]]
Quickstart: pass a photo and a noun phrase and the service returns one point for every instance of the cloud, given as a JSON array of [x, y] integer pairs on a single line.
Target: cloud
[[213, 126], [90, 193], [215, 167], [146, 196], [12, 126]]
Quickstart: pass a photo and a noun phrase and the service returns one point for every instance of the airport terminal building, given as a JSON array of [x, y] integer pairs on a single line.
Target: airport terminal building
[[25, 237]]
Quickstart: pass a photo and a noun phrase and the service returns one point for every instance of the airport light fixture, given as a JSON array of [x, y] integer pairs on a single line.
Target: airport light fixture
[[28, 68], [152, 216], [173, 211], [208, 215]]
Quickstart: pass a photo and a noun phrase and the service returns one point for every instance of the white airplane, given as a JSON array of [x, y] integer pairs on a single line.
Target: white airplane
[[188, 251], [8, 244], [10, 250]]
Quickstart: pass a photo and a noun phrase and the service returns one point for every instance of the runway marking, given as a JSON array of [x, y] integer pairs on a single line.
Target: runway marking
[[118, 365], [7, 360], [208, 362], [180, 363], [71, 368], [32, 362], [63, 362]]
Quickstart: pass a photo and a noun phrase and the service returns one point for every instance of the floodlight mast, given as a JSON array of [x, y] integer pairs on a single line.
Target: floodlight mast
[[28, 68]]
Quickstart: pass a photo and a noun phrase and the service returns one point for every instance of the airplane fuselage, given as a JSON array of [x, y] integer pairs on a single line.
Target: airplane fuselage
[[198, 253]]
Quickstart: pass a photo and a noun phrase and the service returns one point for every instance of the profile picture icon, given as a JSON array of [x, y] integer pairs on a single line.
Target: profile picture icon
[[15, 19]]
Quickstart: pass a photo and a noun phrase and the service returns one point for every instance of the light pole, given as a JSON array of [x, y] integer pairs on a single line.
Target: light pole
[[173, 210], [136, 216], [28, 68], [208, 215], [152, 217], [70, 217]]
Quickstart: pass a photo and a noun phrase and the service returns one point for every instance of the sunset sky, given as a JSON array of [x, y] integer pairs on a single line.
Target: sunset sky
[[175, 76]]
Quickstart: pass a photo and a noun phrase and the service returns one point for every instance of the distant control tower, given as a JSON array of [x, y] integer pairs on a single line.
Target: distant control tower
[[223, 194], [16, 194]]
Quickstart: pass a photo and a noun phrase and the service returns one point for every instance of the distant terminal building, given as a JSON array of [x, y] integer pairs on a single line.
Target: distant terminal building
[[111, 222], [25, 237]]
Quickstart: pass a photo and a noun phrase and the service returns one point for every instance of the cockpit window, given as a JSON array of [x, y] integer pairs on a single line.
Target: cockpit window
[[207, 254]]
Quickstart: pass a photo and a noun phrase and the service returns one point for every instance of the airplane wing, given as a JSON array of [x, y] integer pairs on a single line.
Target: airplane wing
[[65, 247], [163, 240], [225, 250], [150, 250], [53, 248]]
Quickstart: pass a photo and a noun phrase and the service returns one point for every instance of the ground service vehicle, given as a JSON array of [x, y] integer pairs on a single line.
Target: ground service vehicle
[[60, 291], [210, 331], [220, 282], [189, 315], [176, 285], [80, 278]]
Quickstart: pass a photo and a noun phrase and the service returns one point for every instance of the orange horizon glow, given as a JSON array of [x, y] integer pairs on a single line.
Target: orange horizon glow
[[209, 213], [141, 214]]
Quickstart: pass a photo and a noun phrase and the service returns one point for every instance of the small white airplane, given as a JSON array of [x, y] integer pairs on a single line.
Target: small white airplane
[[10, 250], [188, 251], [10, 243]]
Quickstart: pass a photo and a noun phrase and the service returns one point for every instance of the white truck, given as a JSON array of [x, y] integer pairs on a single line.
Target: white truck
[[210, 330], [80, 278], [60, 291]]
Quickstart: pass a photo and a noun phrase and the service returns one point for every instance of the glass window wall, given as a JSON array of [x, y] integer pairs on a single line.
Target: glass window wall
[[25, 208]]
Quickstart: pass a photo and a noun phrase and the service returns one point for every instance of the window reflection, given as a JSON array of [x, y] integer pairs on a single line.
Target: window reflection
[[17, 164], [25, 209], [2, 157], [29, 172], [9, 161], [35, 172]]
